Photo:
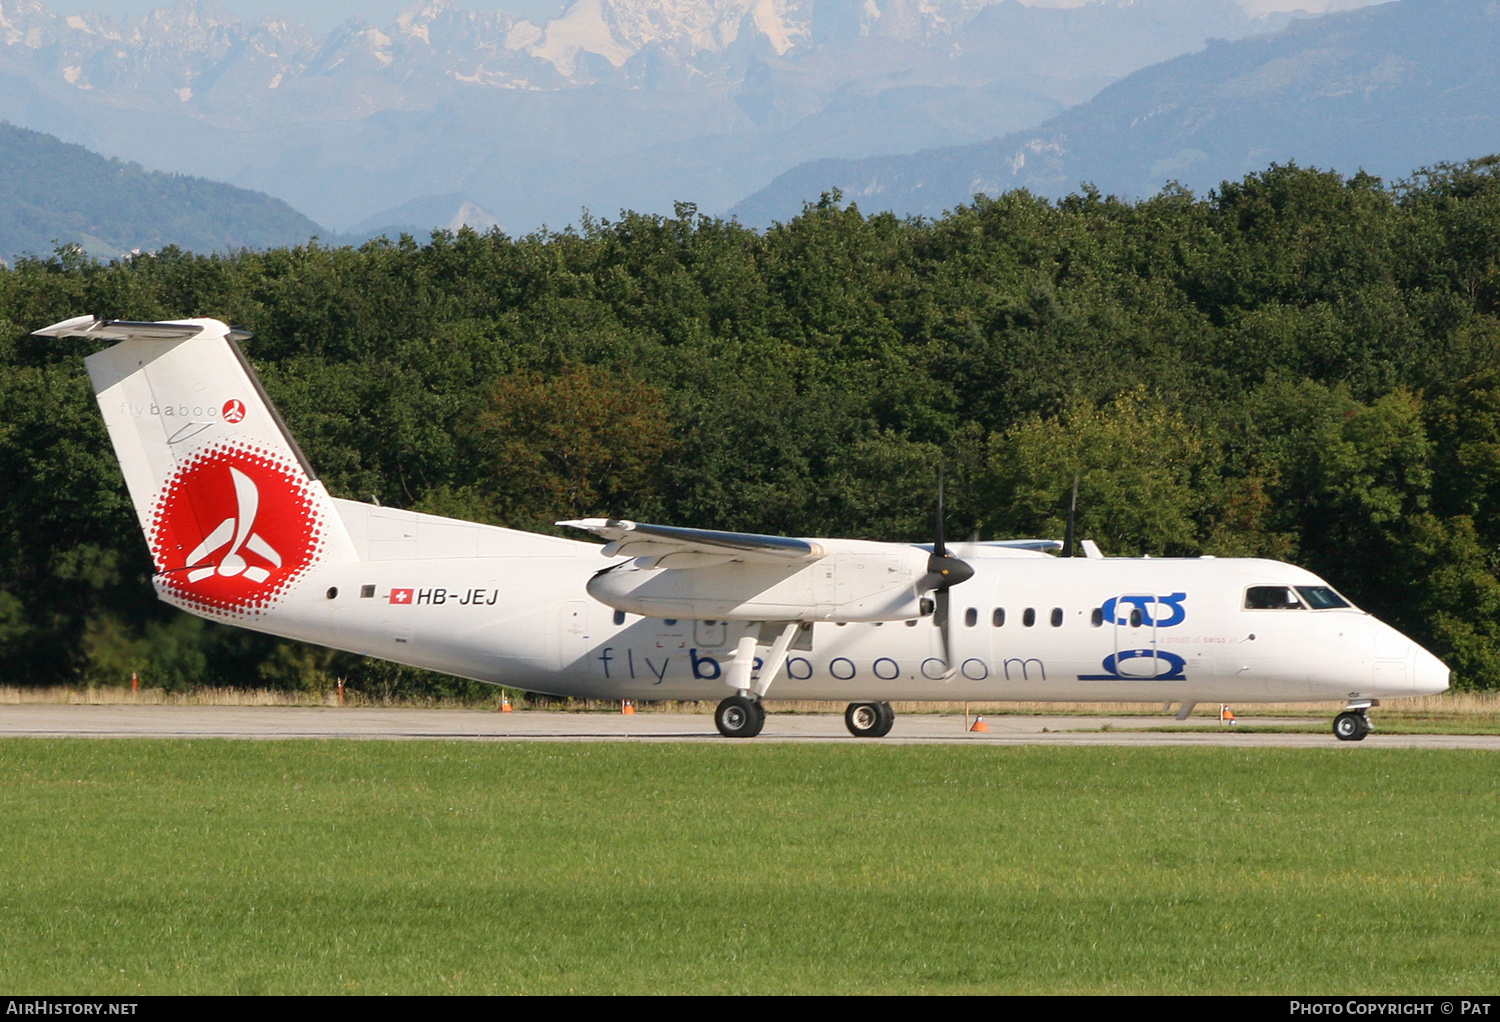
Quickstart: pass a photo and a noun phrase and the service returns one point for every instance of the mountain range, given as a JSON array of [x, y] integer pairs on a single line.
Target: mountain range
[[53, 193], [614, 103], [1386, 89]]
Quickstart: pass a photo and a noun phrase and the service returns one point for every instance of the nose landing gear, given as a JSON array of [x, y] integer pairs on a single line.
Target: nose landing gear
[[1354, 723]]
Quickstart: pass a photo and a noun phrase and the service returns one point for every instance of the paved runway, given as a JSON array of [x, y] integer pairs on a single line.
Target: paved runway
[[116, 721]]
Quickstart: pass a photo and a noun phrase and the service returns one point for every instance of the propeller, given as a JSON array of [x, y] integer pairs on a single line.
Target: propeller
[[943, 573], [1072, 511]]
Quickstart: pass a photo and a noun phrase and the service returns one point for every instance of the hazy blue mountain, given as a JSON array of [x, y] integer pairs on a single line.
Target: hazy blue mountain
[[55, 193], [612, 104], [1387, 88], [421, 216]]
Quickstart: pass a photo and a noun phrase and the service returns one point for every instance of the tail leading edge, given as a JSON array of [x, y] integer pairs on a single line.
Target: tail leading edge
[[232, 512]]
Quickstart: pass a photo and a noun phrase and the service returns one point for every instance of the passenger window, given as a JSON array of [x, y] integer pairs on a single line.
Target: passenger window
[[619, 617], [971, 618], [1271, 598], [1029, 618], [1057, 617], [911, 622], [1135, 617], [998, 617], [1097, 618]]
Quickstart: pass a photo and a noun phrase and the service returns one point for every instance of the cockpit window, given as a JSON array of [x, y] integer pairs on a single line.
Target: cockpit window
[[1271, 598], [1321, 597]]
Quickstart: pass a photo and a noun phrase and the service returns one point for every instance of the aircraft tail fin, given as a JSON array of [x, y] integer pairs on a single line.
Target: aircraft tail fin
[[231, 509]]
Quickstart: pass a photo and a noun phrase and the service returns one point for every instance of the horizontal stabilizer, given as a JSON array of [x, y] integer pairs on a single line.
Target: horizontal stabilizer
[[128, 330]]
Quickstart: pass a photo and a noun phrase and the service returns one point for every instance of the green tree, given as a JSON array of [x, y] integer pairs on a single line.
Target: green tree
[[1138, 465]]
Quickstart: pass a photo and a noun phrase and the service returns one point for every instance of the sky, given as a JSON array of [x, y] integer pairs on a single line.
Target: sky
[[323, 15]]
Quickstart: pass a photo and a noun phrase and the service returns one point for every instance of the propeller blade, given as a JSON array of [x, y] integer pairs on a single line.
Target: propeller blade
[[939, 549], [943, 569], [943, 621], [1072, 511]]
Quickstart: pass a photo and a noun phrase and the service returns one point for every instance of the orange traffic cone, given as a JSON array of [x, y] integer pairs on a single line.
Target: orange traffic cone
[[1226, 715], [505, 704], [341, 691], [979, 725], [135, 683], [627, 707]]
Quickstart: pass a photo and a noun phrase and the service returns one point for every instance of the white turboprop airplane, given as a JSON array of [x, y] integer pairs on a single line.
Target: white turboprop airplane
[[242, 531]]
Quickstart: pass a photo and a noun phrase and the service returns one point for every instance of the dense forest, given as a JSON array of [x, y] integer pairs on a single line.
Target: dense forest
[[1298, 365]]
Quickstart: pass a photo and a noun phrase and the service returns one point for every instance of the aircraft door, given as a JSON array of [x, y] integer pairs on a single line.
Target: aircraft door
[[573, 632], [972, 631], [710, 634], [1135, 636]]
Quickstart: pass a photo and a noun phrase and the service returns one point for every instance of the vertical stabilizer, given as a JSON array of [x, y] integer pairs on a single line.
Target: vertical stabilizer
[[231, 510]]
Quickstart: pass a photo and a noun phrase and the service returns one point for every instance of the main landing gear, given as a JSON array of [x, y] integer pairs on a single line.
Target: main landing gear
[[1354, 723], [740, 717], [869, 720]]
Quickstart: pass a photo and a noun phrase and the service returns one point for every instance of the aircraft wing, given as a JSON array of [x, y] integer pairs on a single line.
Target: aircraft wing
[[673, 547]]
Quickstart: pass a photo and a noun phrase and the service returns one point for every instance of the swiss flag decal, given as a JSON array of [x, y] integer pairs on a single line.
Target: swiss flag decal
[[401, 595]]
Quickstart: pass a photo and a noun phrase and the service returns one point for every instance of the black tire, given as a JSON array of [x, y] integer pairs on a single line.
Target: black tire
[[1350, 726], [869, 720], [740, 717]]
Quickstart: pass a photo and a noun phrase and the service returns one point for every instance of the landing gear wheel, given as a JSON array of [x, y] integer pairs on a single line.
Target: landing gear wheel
[[869, 720], [740, 717], [1351, 726]]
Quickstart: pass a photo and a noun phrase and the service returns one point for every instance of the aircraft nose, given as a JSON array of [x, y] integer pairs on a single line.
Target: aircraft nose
[[1429, 674]]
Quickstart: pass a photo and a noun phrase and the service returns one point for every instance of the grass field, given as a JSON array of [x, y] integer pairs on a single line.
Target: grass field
[[426, 867]]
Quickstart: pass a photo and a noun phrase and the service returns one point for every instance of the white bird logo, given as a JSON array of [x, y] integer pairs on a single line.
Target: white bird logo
[[236, 528]]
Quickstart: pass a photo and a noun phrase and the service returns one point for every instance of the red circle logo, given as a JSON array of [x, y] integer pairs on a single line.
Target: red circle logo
[[232, 529], [234, 410]]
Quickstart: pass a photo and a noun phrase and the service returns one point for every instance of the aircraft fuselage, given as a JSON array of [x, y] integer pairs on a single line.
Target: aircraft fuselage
[[1024, 628]]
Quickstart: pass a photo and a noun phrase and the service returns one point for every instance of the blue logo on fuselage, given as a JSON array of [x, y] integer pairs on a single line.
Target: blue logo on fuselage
[[1144, 612], [1164, 667], [1174, 614]]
